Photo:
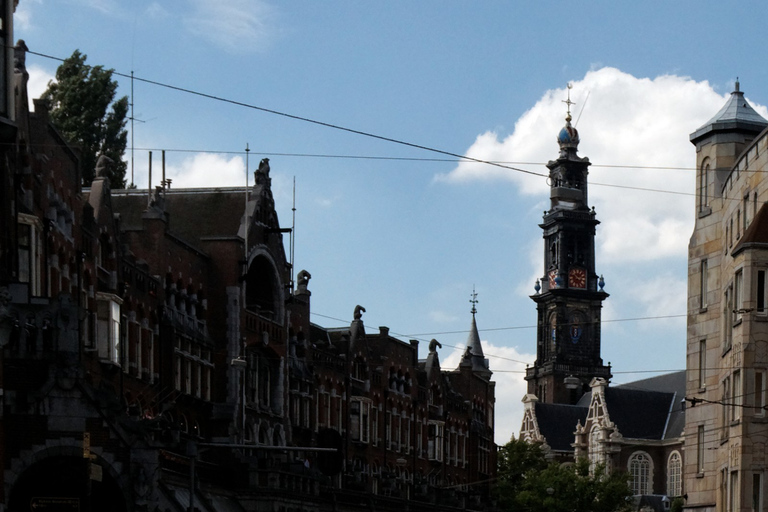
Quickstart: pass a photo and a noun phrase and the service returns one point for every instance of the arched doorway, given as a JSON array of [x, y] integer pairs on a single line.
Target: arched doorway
[[64, 484]]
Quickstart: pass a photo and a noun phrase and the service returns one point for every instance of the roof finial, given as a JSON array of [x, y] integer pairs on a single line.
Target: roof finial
[[737, 84], [569, 102], [474, 301]]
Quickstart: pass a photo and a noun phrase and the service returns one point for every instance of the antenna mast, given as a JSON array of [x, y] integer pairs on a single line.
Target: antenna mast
[[132, 182], [293, 233]]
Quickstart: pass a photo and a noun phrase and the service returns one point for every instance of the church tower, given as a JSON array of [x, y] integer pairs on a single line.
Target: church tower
[[570, 295]]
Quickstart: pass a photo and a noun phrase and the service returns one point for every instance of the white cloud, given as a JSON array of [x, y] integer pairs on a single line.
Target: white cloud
[[207, 170], [510, 385], [22, 17], [626, 121], [237, 26], [38, 82]]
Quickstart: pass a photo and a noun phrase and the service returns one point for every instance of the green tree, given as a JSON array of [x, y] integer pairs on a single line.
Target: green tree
[[81, 97], [528, 482]]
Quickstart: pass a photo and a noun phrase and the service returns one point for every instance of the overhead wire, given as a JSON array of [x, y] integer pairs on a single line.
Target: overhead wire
[[363, 133]]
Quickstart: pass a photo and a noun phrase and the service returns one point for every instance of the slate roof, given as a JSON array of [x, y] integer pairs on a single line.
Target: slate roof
[[756, 235], [737, 113], [194, 214], [557, 423], [649, 408]]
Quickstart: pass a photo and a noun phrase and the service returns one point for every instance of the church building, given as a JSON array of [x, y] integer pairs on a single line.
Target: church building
[[570, 407]]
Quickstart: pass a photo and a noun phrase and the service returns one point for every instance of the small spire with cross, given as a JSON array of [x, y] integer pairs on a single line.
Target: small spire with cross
[[569, 102], [474, 301]]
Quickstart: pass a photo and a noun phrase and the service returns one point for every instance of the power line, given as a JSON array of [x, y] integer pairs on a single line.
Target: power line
[[355, 131]]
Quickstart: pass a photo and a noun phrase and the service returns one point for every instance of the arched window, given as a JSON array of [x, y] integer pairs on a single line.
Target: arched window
[[704, 187], [594, 450], [640, 470], [674, 474]]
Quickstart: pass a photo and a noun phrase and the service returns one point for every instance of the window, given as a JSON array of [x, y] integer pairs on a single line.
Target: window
[[108, 327], [703, 277], [738, 294], [484, 455], [733, 492], [761, 292], [757, 492], [726, 395], [738, 224], [419, 435], [641, 473], [435, 433], [736, 396], [727, 318], [30, 253], [704, 188], [375, 426], [674, 474], [746, 210], [359, 419], [702, 364], [700, 449], [594, 450], [759, 393]]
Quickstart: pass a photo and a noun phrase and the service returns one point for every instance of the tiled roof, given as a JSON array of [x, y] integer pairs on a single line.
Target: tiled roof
[[194, 214], [668, 383], [757, 233], [557, 423]]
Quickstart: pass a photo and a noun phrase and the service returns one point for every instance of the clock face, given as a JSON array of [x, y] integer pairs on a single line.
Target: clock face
[[552, 279], [577, 278]]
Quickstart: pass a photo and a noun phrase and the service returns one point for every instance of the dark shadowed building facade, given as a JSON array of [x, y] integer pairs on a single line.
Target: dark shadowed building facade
[[158, 355]]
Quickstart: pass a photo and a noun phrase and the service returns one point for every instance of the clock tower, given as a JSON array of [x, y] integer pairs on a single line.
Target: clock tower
[[569, 296]]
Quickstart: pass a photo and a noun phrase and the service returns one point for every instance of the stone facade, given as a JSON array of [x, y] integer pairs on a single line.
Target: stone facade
[[727, 344]]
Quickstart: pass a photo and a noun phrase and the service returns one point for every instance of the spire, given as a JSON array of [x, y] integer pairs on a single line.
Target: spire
[[568, 138], [473, 354]]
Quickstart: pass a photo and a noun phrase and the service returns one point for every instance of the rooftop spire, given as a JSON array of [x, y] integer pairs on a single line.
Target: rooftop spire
[[736, 114], [473, 355], [569, 102]]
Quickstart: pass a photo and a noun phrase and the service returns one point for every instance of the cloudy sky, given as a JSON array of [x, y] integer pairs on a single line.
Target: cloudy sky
[[408, 232]]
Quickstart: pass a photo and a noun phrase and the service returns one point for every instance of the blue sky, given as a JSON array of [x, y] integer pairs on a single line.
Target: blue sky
[[409, 238]]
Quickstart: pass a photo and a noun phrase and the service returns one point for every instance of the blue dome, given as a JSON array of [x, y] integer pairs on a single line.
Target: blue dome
[[568, 136]]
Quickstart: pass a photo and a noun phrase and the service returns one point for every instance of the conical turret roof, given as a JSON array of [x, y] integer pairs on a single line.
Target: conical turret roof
[[736, 114], [473, 355]]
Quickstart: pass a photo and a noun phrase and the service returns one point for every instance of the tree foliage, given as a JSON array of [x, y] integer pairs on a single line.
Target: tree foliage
[[84, 110], [527, 481]]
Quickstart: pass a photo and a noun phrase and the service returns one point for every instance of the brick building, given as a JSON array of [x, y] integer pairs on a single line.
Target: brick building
[[157, 354]]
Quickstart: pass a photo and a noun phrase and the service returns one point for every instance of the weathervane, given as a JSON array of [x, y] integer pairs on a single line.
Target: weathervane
[[568, 101], [474, 301]]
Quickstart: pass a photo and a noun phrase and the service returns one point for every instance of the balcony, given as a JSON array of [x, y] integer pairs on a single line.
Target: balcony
[[256, 323]]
